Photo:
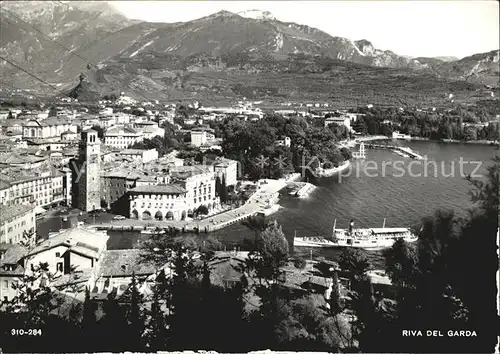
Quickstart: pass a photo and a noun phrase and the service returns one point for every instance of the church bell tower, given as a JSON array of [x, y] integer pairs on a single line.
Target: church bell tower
[[89, 197]]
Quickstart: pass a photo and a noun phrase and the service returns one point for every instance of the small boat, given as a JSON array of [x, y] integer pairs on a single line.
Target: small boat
[[400, 153], [397, 135], [370, 239], [411, 153]]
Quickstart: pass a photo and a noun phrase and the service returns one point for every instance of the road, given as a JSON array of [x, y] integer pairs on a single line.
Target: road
[[258, 202]]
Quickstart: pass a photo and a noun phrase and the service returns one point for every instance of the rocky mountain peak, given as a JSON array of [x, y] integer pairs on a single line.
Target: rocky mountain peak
[[257, 15], [366, 47], [32, 10], [223, 13]]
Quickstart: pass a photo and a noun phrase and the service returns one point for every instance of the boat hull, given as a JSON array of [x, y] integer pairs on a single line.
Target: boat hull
[[372, 245]]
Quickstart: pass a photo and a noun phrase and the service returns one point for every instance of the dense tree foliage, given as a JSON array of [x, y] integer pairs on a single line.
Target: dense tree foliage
[[461, 123], [221, 189], [444, 282], [99, 130], [171, 140], [253, 144]]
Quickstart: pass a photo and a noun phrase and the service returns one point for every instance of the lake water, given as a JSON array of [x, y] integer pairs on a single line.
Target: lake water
[[369, 198]]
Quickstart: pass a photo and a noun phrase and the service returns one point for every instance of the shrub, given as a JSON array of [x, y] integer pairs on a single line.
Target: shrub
[[299, 263]]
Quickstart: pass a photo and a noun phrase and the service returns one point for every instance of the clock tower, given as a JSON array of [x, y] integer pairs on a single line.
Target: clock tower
[[89, 197]]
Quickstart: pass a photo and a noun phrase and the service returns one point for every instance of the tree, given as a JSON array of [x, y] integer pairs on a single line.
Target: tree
[[157, 332], [299, 263], [401, 261], [334, 301], [89, 321], [202, 210], [135, 318], [99, 130], [470, 133], [257, 224], [218, 185], [346, 153], [354, 261], [114, 325], [38, 305], [271, 254], [224, 191], [444, 280], [182, 300], [53, 111]]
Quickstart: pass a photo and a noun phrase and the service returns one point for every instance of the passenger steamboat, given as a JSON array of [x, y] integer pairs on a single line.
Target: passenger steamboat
[[369, 239]]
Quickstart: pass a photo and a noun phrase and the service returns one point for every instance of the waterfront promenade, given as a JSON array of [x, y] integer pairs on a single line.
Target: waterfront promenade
[[263, 200], [362, 139]]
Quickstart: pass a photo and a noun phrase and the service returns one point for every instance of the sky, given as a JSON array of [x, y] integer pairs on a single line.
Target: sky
[[415, 28]]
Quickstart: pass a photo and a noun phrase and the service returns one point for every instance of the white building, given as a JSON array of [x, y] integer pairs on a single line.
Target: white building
[[201, 136], [11, 269], [286, 112], [143, 156], [151, 130], [286, 141], [227, 168], [69, 136], [398, 135], [193, 186], [158, 202], [199, 182], [346, 121], [41, 188], [121, 137], [51, 127], [75, 248], [108, 111], [16, 221]]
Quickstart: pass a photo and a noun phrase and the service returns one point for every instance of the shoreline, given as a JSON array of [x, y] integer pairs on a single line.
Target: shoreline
[[452, 141], [300, 190], [306, 190], [331, 171], [416, 138]]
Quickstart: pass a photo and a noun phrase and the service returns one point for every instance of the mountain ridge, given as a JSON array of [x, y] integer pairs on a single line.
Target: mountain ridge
[[97, 40]]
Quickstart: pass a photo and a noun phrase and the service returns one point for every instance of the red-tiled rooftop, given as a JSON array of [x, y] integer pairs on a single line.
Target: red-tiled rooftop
[[116, 263], [12, 211]]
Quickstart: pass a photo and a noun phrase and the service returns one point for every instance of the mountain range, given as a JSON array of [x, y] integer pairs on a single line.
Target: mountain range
[[222, 55]]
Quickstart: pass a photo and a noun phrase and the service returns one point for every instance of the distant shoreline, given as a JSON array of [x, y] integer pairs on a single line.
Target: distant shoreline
[[444, 141], [452, 141]]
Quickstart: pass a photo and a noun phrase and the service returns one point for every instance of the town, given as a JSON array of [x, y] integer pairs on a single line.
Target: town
[[173, 182], [126, 166]]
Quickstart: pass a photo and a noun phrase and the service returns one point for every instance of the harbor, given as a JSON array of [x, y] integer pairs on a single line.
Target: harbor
[[401, 150]]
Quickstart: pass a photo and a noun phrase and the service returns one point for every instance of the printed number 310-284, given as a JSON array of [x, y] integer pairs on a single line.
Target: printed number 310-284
[[26, 332]]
